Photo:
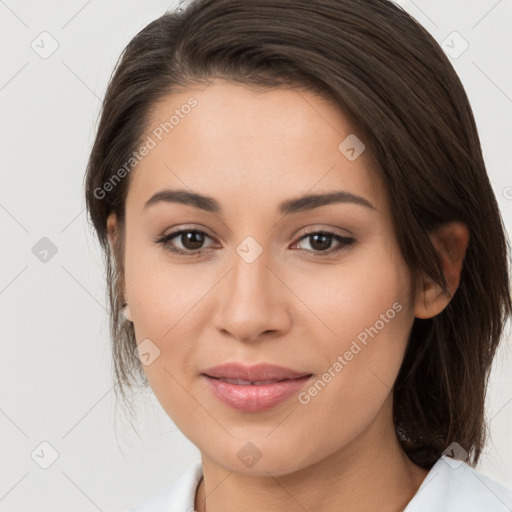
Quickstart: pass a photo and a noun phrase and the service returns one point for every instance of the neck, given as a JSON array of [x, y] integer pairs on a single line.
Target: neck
[[372, 473]]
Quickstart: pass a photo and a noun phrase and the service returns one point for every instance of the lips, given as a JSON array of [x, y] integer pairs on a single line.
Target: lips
[[254, 388], [241, 382], [259, 373]]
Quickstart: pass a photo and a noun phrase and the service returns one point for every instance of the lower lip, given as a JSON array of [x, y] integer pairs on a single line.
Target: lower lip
[[255, 398]]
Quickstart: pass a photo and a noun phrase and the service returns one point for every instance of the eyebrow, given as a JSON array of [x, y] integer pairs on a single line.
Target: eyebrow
[[209, 204]]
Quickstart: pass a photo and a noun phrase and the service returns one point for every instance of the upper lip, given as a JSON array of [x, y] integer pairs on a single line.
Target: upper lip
[[258, 372]]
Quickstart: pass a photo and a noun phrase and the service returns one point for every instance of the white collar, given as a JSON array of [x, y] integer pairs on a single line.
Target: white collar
[[454, 486]]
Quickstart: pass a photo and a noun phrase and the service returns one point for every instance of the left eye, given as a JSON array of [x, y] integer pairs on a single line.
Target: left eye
[[321, 241]]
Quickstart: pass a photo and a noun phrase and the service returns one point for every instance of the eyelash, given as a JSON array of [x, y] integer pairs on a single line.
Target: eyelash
[[164, 241]]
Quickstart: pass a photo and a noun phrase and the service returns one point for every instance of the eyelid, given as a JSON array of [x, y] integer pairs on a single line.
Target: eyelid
[[329, 229], [186, 227]]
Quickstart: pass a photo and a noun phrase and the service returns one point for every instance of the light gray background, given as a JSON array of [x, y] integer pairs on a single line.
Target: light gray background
[[55, 354]]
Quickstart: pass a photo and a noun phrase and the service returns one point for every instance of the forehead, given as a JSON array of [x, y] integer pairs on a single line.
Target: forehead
[[233, 142]]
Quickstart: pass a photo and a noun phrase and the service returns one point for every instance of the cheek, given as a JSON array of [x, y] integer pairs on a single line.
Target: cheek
[[165, 307], [160, 293], [368, 289], [162, 299], [364, 314]]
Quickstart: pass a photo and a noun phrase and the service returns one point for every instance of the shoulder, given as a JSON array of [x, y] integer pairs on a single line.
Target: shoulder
[[179, 496], [454, 486]]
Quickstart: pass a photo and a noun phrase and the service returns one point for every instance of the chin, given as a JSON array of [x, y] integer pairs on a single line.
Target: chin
[[263, 459]]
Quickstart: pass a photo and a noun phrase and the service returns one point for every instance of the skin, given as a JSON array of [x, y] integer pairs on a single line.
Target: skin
[[250, 150]]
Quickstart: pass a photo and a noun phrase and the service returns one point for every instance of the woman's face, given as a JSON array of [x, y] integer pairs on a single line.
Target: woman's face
[[257, 285]]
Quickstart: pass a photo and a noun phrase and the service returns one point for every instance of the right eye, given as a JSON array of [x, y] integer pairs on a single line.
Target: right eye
[[191, 241]]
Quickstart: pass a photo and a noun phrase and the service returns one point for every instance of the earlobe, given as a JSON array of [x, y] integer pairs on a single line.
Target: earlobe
[[127, 313], [451, 242]]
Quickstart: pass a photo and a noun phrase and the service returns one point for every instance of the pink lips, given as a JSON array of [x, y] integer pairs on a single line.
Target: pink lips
[[254, 388]]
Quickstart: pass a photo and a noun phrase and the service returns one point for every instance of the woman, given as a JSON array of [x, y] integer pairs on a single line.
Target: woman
[[305, 255]]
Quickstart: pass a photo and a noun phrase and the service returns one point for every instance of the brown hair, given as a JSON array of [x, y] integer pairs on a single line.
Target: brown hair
[[386, 72]]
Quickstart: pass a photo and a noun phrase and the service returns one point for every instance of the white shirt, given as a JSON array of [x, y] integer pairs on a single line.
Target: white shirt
[[450, 486]]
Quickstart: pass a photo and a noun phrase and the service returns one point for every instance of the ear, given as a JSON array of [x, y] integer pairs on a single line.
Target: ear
[[112, 228], [450, 241]]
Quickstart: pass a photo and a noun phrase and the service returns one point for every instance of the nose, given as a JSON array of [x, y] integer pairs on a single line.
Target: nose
[[253, 302]]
